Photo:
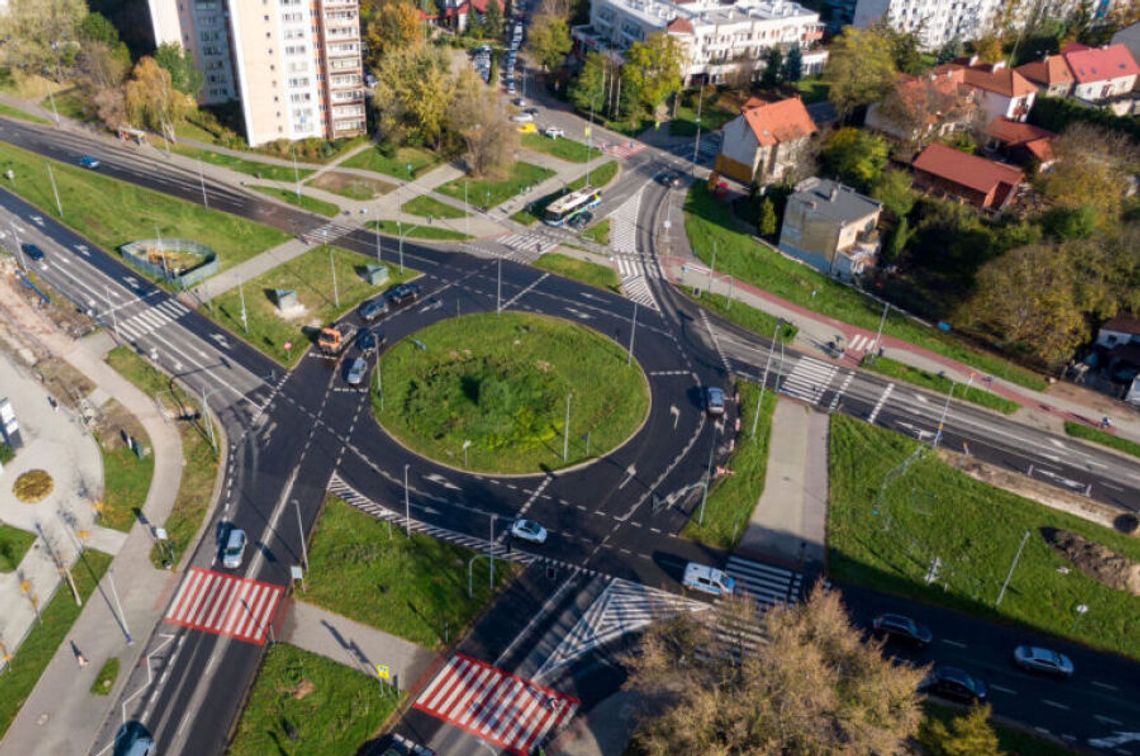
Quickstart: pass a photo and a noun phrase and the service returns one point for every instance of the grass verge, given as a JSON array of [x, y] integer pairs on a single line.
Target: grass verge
[[416, 231], [710, 225], [415, 588], [126, 477], [501, 383], [712, 118], [487, 194], [306, 703], [600, 276], [11, 112], [14, 543], [561, 148], [940, 383], [111, 213], [396, 165], [732, 499], [351, 185], [19, 678], [311, 276], [599, 233], [534, 210], [1078, 430], [428, 206], [305, 202], [886, 527], [105, 680], [199, 463], [255, 168], [749, 318]]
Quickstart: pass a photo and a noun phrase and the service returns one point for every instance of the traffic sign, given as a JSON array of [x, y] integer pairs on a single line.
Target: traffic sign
[[383, 671]]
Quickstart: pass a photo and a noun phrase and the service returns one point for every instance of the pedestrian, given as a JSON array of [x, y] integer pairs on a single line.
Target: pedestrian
[[79, 657], [1105, 422]]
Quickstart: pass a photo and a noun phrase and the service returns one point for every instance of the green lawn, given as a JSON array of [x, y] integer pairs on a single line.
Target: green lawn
[[601, 276], [887, 537], [707, 221], [19, 678], [126, 478], [426, 205], [1080, 430], [732, 498], [255, 168], [11, 112], [941, 384], [598, 178], [306, 703], [561, 148], [501, 382], [111, 213], [370, 571], [14, 543], [487, 194], [417, 231], [813, 89], [199, 463], [749, 318], [371, 159], [310, 275], [105, 680], [305, 202], [599, 233], [712, 118]]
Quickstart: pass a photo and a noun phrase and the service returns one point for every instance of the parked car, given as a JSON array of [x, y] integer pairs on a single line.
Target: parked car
[[89, 162], [366, 341], [402, 294], [32, 251], [896, 627], [1043, 660], [234, 550], [700, 577], [581, 220], [528, 530], [519, 102], [714, 400], [955, 684], [373, 309], [553, 132], [670, 179], [522, 118], [532, 111], [527, 128], [354, 375]]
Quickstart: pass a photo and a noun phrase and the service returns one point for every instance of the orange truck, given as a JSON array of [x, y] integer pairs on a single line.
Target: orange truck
[[333, 340]]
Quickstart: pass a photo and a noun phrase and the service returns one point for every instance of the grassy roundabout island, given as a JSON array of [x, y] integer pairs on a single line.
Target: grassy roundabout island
[[501, 382]]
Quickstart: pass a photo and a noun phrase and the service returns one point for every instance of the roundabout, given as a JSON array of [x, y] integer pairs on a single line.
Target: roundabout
[[493, 393]]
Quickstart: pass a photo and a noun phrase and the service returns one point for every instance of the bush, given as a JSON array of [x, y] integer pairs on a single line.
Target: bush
[[6, 454], [1056, 114]]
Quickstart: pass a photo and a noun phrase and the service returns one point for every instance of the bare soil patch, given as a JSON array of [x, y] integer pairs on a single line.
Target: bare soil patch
[[1098, 562], [351, 185]]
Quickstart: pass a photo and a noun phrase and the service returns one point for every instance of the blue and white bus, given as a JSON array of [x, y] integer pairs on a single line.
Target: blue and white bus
[[564, 208]]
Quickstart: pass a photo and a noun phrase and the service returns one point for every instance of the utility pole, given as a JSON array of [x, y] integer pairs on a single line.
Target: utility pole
[[697, 144], [209, 424], [566, 432], [407, 505], [301, 532], [55, 190], [332, 267], [202, 181], [632, 333], [244, 318], [882, 323], [499, 289], [19, 247], [708, 478], [1012, 567], [764, 380]]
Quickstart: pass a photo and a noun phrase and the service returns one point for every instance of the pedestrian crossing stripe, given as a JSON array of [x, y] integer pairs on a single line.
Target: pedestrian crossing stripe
[[222, 604], [533, 241], [808, 380], [495, 705], [861, 343], [637, 289], [766, 584], [330, 231], [151, 319]]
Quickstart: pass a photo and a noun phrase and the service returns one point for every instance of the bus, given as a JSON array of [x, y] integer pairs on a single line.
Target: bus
[[564, 208]]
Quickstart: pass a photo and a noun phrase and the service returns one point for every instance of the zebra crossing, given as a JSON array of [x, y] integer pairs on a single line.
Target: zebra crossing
[[624, 150], [491, 704], [766, 584], [861, 343], [327, 233], [151, 319], [222, 604], [623, 242], [808, 380]]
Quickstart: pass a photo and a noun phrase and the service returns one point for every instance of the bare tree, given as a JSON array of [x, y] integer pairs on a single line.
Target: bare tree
[[481, 121]]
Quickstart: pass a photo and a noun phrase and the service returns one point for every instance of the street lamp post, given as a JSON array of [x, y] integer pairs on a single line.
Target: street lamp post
[[332, 267], [566, 432], [491, 552], [296, 173], [708, 479], [946, 410], [202, 181], [206, 416], [697, 144], [122, 617], [1012, 567], [244, 318], [111, 309], [712, 267], [407, 505], [764, 379], [499, 289], [19, 247], [882, 323], [379, 381], [632, 333], [55, 190], [466, 445], [301, 532], [379, 250]]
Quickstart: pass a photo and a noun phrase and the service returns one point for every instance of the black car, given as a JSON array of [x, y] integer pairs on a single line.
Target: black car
[[32, 251], [581, 220], [531, 111], [896, 627], [373, 309], [368, 341], [402, 294], [955, 684], [670, 179]]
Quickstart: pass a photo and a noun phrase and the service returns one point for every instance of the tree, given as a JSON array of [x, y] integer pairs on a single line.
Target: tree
[[893, 189], [100, 74], [493, 19], [989, 48], [41, 36], [179, 63], [896, 243], [793, 69], [860, 69], [96, 28], [1070, 223], [967, 735], [1093, 169], [412, 95], [949, 51], [906, 49], [773, 63], [477, 115], [587, 91], [549, 41], [815, 687], [768, 221], [854, 156], [151, 99], [395, 25], [921, 107], [653, 70]]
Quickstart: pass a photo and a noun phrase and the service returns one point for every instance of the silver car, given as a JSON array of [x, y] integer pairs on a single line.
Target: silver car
[[356, 370], [1043, 660], [235, 549]]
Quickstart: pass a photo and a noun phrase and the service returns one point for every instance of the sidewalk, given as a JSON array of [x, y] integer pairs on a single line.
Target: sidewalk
[[354, 644], [61, 715], [790, 520]]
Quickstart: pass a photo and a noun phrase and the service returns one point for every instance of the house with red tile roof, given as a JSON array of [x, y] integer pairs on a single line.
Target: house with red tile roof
[[766, 141], [1002, 91], [985, 184], [1021, 143], [1100, 73], [1051, 76], [924, 107]]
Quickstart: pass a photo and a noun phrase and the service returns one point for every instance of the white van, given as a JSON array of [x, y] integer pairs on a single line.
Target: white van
[[707, 579]]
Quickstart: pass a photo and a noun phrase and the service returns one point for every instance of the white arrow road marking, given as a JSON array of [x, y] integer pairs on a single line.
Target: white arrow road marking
[[220, 339], [82, 249], [131, 281], [38, 220], [675, 411], [629, 473], [1116, 739], [442, 481], [578, 313]]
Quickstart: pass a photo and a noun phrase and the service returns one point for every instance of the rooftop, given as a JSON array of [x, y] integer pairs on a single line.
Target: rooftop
[[779, 121], [991, 77], [831, 199], [662, 13], [966, 170], [1090, 64], [1048, 71], [1015, 132], [1124, 324]]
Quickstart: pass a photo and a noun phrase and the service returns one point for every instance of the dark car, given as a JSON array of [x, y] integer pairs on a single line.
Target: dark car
[[402, 294], [955, 684], [32, 251], [581, 220], [366, 341], [714, 400], [670, 179], [373, 309], [896, 627], [89, 162], [532, 111]]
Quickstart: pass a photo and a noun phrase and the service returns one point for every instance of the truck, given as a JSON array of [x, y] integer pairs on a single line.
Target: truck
[[333, 340]]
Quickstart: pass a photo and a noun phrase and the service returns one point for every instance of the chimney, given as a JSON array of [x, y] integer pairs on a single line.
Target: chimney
[[973, 61], [999, 65], [833, 193]]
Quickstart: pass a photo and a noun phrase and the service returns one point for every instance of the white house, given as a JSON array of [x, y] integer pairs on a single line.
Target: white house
[[1124, 329], [765, 142], [1100, 73], [935, 21], [1002, 92], [831, 227]]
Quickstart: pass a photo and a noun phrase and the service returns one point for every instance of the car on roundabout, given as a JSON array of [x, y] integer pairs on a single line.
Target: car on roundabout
[[402, 294], [354, 375], [529, 531]]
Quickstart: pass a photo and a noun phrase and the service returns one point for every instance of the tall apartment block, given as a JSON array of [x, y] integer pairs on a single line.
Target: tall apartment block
[[294, 65]]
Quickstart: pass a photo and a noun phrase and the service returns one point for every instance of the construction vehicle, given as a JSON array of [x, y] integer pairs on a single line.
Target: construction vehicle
[[335, 338]]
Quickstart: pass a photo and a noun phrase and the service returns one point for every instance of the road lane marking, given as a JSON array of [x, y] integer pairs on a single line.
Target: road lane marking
[[1003, 689], [955, 644], [1054, 704], [1107, 720], [1106, 686]]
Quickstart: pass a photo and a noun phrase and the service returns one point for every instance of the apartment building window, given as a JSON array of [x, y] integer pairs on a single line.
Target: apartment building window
[[292, 18]]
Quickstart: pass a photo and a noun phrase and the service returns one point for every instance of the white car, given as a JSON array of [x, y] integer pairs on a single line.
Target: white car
[[528, 530], [235, 549], [522, 118], [700, 577], [553, 132]]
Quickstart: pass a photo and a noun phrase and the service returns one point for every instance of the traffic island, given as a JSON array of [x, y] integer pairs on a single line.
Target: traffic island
[[493, 393]]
